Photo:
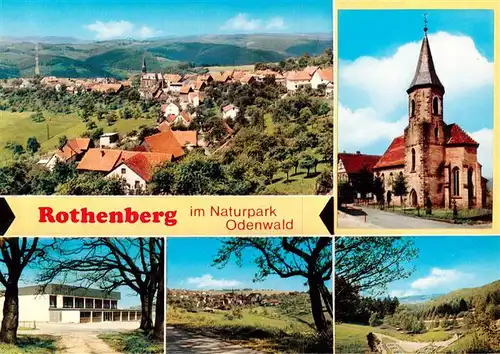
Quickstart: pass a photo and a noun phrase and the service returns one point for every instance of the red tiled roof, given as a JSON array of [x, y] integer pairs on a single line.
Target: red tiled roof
[[354, 163], [172, 77], [143, 163], [459, 137], [65, 153], [186, 88], [186, 137], [164, 142], [326, 74], [171, 118], [79, 144], [185, 115], [103, 160], [228, 107], [299, 76], [394, 155], [164, 126]]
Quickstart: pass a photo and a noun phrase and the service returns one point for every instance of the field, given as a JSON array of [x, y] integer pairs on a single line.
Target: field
[[132, 342], [260, 328], [18, 127], [351, 338], [42, 344]]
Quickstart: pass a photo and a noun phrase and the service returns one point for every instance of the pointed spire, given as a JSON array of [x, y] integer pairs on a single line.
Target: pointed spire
[[144, 65], [425, 75]]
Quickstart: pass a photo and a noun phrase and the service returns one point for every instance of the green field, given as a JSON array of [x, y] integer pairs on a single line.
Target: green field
[[297, 184], [18, 127], [351, 338], [42, 344], [261, 328], [132, 342]]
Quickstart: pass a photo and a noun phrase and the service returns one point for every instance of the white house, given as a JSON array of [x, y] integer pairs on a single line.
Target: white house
[[230, 111], [297, 79], [170, 108], [138, 169], [70, 304], [108, 140], [323, 77]]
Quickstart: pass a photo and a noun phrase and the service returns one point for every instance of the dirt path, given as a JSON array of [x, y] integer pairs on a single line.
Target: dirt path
[[396, 346], [82, 338], [179, 341]]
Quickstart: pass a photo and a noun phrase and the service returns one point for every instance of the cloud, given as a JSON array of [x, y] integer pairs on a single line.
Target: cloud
[[207, 281], [242, 22], [362, 127], [460, 66], [438, 281], [485, 152], [117, 29]]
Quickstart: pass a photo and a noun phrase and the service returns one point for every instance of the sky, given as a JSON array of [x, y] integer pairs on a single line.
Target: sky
[[378, 52], [107, 19], [189, 266], [447, 263]]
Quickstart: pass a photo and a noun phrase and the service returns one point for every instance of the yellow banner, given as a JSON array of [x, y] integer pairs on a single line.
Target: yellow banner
[[168, 216]]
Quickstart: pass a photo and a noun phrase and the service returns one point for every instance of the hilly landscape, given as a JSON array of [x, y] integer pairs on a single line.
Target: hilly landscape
[[70, 57]]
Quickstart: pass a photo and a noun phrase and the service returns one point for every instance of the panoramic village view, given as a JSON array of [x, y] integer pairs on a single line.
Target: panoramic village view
[[433, 174], [197, 115], [82, 295], [249, 295], [405, 295]]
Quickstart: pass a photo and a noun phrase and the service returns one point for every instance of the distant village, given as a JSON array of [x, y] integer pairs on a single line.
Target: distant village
[[209, 301], [179, 95]]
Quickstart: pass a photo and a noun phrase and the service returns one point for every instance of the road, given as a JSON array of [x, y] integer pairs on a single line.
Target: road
[[79, 338], [179, 341], [388, 220]]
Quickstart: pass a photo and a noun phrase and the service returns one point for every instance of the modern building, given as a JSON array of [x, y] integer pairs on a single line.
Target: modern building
[[70, 304]]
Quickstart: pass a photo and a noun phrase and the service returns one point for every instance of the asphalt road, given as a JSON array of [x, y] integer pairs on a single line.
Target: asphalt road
[[387, 220], [183, 342]]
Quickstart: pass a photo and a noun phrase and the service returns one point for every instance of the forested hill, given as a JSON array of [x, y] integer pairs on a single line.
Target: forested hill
[[72, 58]]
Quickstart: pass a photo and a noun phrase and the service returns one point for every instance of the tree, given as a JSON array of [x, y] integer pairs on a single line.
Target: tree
[[307, 257], [324, 183], [370, 263], [269, 169], [137, 263], [374, 320], [379, 189], [61, 141], [16, 254], [32, 145], [400, 187], [92, 184], [308, 162], [285, 167], [91, 125], [37, 117]]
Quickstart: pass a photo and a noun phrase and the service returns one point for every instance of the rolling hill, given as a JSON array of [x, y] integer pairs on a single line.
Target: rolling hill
[[68, 57]]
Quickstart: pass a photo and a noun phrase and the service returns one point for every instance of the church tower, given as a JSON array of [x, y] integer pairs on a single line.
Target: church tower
[[143, 70], [425, 134]]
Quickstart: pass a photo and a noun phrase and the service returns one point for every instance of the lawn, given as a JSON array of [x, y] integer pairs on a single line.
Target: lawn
[[298, 184], [41, 344], [18, 127], [263, 329], [132, 342], [351, 338]]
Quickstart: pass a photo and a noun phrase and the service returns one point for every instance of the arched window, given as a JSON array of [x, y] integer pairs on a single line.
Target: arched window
[[435, 105], [436, 132], [413, 160], [456, 181], [412, 108]]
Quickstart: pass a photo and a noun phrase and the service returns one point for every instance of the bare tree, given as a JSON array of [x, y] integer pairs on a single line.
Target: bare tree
[[16, 254], [308, 257], [109, 263]]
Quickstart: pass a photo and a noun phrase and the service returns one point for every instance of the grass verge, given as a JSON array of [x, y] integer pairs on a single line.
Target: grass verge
[[28, 344], [133, 342]]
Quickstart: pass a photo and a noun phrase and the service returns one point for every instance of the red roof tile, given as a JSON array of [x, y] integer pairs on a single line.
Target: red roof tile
[[164, 142], [186, 137], [354, 163], [394, 155], [103, 160], [459, 137], [143, 163]]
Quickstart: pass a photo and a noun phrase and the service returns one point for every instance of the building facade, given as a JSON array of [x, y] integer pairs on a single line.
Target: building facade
[[438, 160], [69, 304]]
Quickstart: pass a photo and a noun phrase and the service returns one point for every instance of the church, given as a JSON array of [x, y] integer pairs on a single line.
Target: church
[[438, 160]]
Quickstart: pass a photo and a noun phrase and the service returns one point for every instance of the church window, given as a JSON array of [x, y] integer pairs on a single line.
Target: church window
[[436, 132], [435, 105], [456, 181], [413, 160], [412, 112]]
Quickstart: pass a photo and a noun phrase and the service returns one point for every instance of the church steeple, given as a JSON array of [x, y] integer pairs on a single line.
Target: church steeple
[[144, 65], [425, 75]]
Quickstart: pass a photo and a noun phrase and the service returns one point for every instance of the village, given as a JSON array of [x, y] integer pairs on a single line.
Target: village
[[175, 133]]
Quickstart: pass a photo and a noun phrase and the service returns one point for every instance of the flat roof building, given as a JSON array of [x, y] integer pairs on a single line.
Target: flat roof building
[[71, 304]]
